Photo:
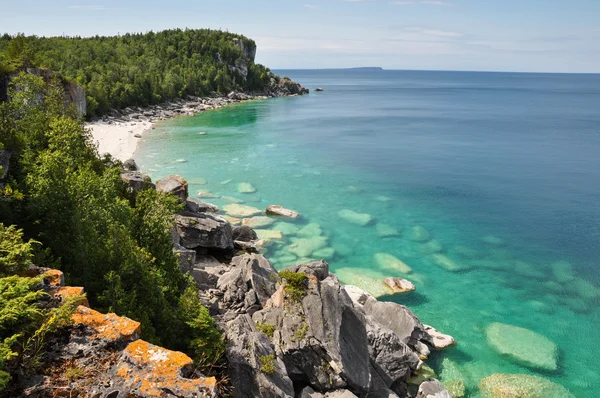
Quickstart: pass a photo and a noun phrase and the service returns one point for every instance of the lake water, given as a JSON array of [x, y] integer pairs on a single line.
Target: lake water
[[500, 170]]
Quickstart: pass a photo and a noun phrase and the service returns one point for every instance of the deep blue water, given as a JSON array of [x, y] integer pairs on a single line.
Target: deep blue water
[[464, 155]]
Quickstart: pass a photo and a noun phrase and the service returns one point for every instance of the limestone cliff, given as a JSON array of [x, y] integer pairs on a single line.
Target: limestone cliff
[[74, 94]]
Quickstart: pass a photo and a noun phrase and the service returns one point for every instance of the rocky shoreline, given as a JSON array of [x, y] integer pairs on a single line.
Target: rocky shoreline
[[298, 332]]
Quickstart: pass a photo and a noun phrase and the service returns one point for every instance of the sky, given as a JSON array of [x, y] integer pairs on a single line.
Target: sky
[[485, 35]]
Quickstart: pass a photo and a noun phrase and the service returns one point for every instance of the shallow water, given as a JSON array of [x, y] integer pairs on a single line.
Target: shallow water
[[501, 170]]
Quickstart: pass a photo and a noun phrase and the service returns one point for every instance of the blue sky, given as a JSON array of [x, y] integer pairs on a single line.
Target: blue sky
[[510, 35]]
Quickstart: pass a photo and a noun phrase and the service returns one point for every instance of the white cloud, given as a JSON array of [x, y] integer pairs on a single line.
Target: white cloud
[[421, 2], [433, 32]]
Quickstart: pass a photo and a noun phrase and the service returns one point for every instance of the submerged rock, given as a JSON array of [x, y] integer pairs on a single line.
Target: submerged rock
[[419, 234], [386, 231], [387, 261], [304, 247], [310, 230], [268, 234], [521, 386], [431, 247], [523, 346], [237, 210], [277, 210], [493, 240], [258, 221], [246, 187], [353, 217], [286, 228], [563, 272], [447, 263]]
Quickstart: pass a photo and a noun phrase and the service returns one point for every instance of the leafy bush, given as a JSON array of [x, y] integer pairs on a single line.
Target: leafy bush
[[296, 284], [15, 254]]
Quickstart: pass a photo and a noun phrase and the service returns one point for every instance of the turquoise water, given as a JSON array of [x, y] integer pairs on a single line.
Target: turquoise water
[[502, 171]]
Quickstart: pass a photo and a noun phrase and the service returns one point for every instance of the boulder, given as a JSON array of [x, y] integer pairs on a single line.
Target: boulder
[[146, 370], [318, 89], [253, 368], [185, 257], [252, 276], [197, 206], [523, 346], [419, 234], [438, 339], [320, 269], [130, 165], [399, 285], [136, 181], [320, 337], [432, 389], [304, 247], [519, 386], [382, 393], [387, 261], [204, 231], [238, 210], [246, 187], [353, 217], [258, 221], [175, 185], [277, 210], [244, 233], [397, 318]]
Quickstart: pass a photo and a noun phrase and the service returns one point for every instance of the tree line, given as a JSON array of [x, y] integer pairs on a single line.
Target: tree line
[[140, 69]]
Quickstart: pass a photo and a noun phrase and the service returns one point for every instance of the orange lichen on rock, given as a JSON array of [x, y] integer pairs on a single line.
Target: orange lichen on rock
[[68, 291], [107, 326], [54, 278], [148, 370]]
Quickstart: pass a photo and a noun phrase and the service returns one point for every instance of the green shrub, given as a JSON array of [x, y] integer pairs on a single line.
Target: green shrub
[[267, 364], [267, 329], [296, 284], [15, 254]]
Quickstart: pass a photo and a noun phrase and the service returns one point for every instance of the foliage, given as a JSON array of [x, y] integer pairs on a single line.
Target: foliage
[[267, 364], [295, 284], [114, 243], [15, 254], [205, 340], [267, 329], [140, 69]]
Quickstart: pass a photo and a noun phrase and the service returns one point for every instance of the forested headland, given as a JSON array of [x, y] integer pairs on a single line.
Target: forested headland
[[142, 69]]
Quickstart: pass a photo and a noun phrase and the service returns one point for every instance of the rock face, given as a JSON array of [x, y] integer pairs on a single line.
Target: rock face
[[74, 94], [197, 206], [204, 230], [175, 185], [523, 346], [136, 181], [280, 87], [518, 386]]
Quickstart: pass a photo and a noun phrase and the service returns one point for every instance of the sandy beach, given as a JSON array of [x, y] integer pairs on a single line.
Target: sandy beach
[[118, 139]]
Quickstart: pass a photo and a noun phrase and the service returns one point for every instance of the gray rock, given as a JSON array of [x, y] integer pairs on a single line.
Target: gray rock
[[185, 257], [250, 272], [244, 233], [399, 319], [340, 394], [175, 185], [383, 393], [204, 231], [308, 392], [194, 205], [432, 389], [319, 269], [136, 181], [322, 339], [247, 352], [5, 156], [130, 165]]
